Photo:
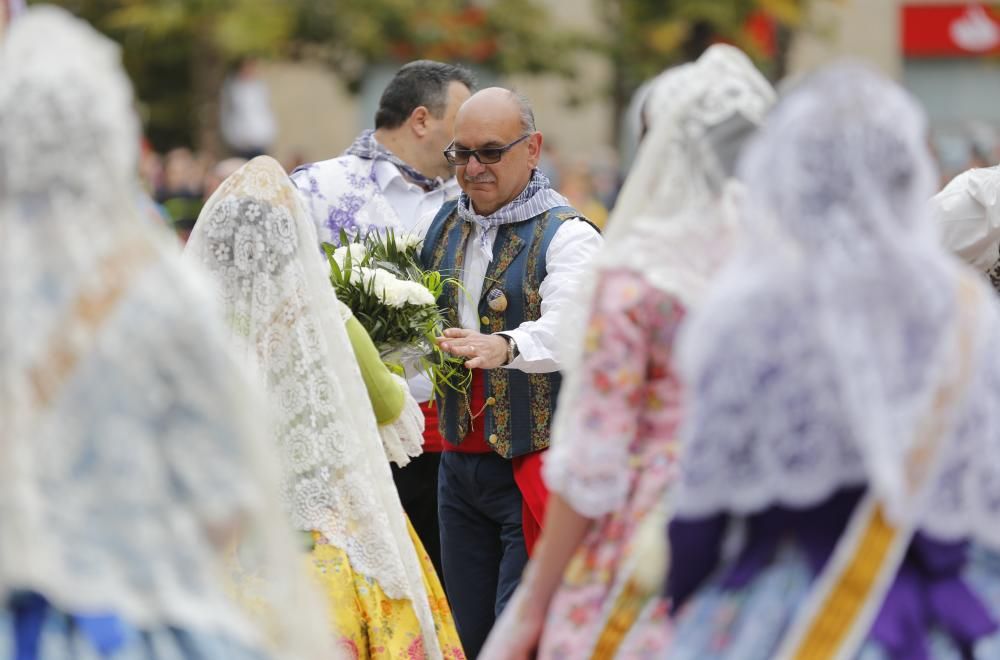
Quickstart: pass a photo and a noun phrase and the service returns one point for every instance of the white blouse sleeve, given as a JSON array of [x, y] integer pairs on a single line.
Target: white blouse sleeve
[[569, 256]]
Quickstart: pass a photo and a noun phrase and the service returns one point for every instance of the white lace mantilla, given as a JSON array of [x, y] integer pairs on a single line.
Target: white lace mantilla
[[130, 450], [671, 225], [261, 249], [818, 357]]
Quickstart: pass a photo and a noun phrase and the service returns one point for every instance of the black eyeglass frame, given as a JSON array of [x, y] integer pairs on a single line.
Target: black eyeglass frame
[[451, 153]]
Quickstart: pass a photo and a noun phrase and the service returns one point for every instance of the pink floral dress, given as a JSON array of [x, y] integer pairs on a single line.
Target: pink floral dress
[[613, 461]]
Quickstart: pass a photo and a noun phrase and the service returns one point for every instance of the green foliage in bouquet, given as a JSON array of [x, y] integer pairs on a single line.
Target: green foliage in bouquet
[[399, 257], [381, 280]]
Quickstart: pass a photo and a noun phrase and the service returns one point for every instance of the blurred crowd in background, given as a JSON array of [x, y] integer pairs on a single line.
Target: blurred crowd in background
[[180, 181]]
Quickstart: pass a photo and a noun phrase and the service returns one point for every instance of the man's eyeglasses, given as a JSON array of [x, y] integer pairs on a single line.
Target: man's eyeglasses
[[485, 156]]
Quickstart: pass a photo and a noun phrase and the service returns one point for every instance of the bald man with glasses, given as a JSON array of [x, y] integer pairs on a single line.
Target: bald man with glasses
[[519, 250]]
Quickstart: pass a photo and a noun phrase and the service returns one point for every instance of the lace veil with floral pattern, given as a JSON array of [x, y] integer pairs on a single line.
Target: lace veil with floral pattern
[[260, 247], [671, 226], [819, 357], [131, 457]]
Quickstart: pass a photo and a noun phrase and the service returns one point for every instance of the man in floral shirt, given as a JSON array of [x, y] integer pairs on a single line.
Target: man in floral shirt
[[393, 177]]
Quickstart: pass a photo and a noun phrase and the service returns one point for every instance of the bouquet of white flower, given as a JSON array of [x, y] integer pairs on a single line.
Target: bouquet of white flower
[[381, 280]]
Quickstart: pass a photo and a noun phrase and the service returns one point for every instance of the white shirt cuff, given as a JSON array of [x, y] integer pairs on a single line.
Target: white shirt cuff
[[532, 358]]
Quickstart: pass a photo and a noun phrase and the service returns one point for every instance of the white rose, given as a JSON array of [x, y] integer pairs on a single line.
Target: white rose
[[419, 295], [407, 241], [371, 277], [383, 277], [389, 288], [358, 252], [362, 276]]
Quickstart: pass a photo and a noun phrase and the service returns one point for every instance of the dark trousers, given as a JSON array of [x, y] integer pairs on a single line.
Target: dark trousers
[[482, 540], [417, 485]]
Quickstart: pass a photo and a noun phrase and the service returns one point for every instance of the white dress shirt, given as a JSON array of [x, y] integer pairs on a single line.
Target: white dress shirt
[[568, 257], [411, 203]]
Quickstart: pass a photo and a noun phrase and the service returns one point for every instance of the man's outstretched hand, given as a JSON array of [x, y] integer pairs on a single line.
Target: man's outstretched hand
[[481, 351]]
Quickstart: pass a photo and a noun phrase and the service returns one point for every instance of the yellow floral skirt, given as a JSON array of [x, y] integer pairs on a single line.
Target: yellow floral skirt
[[371, 625]]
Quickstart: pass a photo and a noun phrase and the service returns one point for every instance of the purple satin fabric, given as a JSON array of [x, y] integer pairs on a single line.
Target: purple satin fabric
[[928, 590]]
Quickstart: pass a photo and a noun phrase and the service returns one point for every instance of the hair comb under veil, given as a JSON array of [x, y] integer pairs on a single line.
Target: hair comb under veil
[[822, 350], [670, 223], [258, 243], [132, 454]]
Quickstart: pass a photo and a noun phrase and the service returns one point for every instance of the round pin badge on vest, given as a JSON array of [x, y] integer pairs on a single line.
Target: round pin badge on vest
[[496, 300]]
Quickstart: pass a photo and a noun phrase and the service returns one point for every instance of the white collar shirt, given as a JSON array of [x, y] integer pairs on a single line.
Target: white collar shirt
[[568, 257], [411, 203]]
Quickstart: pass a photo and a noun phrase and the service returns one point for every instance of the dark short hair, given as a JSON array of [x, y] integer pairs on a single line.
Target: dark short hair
[[420, 83]]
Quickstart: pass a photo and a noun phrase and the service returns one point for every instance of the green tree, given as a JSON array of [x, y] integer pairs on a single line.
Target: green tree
[[179, 51], [649, 35], [505, 36]]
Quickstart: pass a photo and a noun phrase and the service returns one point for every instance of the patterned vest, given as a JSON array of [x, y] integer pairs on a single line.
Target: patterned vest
[[520, 406]]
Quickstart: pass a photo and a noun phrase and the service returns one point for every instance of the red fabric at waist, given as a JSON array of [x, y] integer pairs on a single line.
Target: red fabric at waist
[[475, 440], [432, 434], [534, 495]]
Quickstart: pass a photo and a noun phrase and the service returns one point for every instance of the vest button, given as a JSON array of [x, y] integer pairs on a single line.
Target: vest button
[[491, 401], [485, 320], [493, 439]]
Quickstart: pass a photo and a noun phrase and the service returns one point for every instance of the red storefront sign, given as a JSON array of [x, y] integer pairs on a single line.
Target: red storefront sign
[[951, 30]]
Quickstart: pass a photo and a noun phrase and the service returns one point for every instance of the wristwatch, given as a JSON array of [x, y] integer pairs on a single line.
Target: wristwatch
[[512, 351]]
